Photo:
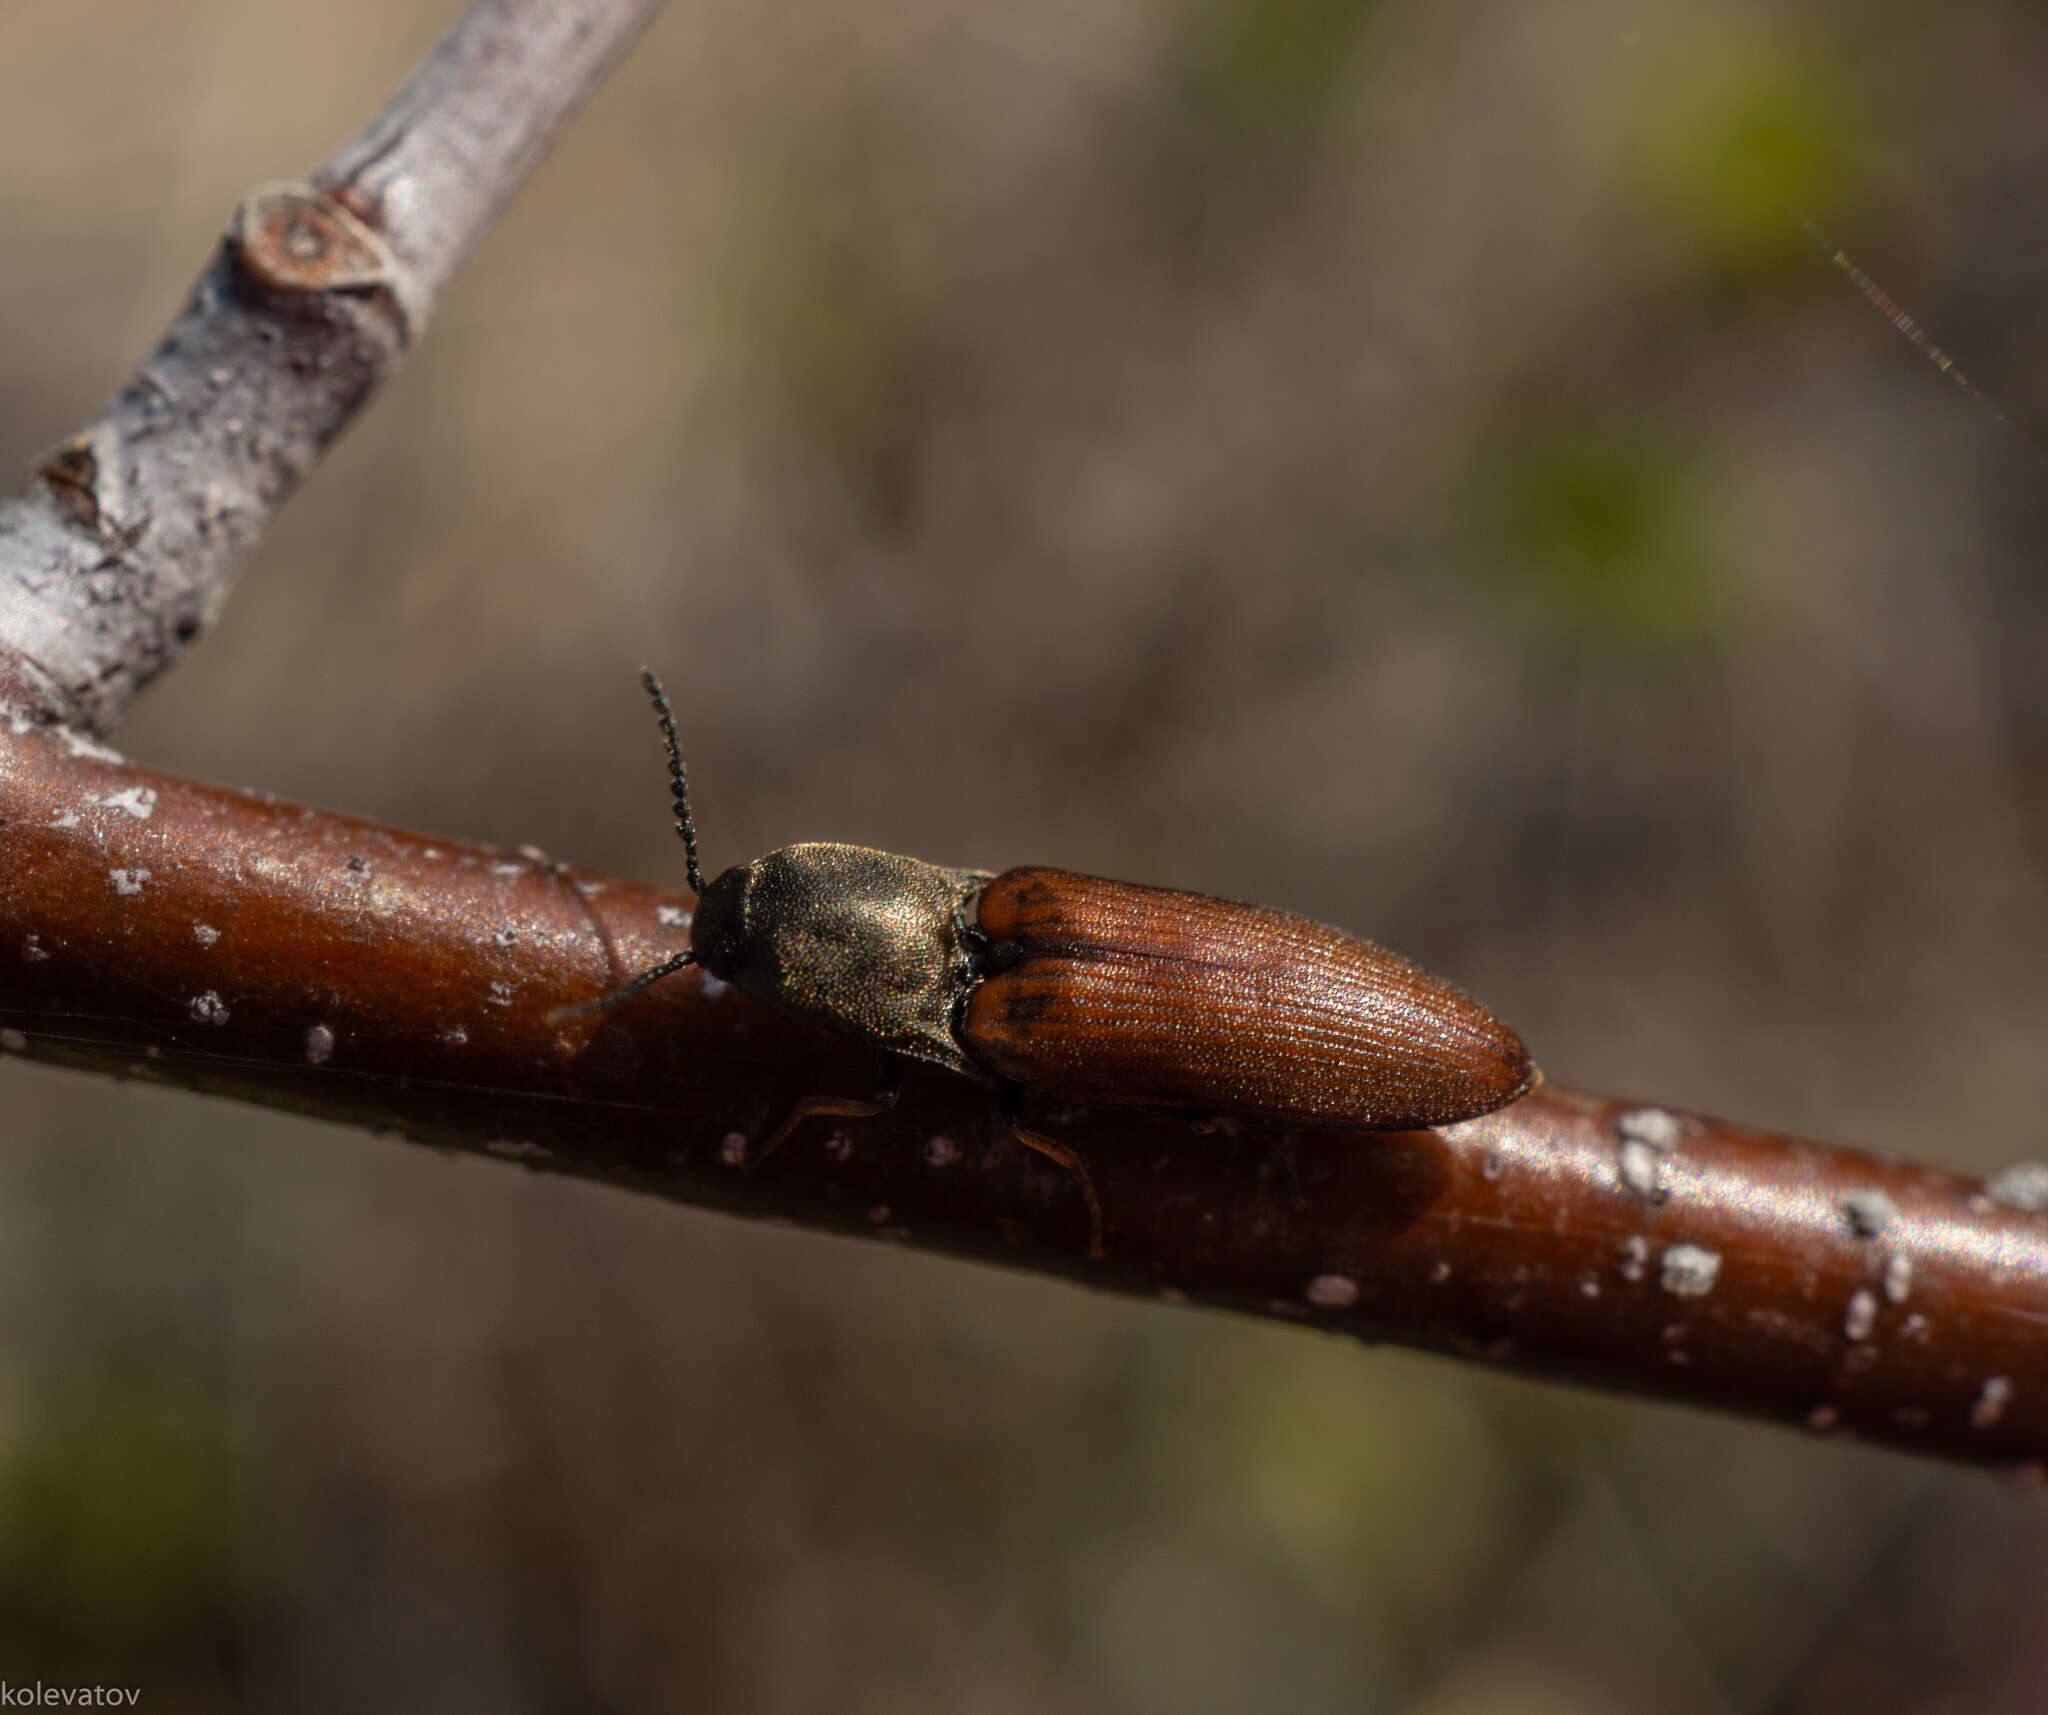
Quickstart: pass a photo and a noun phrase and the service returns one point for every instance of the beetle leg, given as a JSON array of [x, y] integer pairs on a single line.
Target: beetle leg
[[888, 1086], [1008, 1105]]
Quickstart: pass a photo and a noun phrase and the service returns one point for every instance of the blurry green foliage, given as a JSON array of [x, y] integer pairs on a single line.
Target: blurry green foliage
[[1374, 1483], [832, 289], [118, 1510], [1273, 68], [1603, 531], [1746, 141]]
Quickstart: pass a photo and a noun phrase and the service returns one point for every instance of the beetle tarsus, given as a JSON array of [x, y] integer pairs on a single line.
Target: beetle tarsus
[[888, 1086], [1065, 1157]]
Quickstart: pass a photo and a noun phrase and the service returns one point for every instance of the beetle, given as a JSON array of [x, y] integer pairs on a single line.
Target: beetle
[[1096, 991]]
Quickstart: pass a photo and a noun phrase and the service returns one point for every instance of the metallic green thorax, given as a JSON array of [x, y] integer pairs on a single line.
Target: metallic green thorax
[[860, 942]]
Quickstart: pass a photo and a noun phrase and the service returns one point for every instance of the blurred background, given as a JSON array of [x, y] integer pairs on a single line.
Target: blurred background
[[1401, 463]]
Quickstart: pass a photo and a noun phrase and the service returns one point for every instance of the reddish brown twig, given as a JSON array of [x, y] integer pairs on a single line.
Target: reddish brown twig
[[281, 955]]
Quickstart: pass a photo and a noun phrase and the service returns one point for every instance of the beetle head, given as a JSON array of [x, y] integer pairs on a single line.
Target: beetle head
[[718, 932]]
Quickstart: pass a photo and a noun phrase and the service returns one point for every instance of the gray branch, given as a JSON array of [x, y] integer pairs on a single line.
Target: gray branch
[[119, 550]]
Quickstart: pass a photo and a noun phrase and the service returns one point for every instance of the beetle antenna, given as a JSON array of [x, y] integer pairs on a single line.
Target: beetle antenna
[[679, 779], [605, 1002]]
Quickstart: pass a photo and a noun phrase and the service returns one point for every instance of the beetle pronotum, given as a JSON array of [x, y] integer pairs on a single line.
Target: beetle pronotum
[[1096, 991]]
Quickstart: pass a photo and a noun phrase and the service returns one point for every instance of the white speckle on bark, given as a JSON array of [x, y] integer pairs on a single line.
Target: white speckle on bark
[[1491, 1166], [455, 1036], [83, 744], [128, 882], [205, 934], [1898, 1277], [137, 801], [1991, 1402], [1868, 1211], [2022, 1186], [1915, 1327], [533, 854], [708, 986], [508, 870], [1860, 1321], [1635, 1257], [13, 1041], [501, 994], [1642, 1170], [1689, 1271], [1439, 1272], [671, 916], [505, 938], [1653, 1126], [733, 1150], [1332, 1292], [1589, 1288], [32, 949], [208, 1008], [839, 1146], [64, 819], [941, 1152], [319, 1044]]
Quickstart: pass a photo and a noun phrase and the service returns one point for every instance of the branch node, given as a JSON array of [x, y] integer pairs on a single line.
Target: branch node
[[294, 238], [72, 471]]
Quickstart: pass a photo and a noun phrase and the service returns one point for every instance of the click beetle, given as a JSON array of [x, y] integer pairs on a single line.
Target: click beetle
[[1095, 991]]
